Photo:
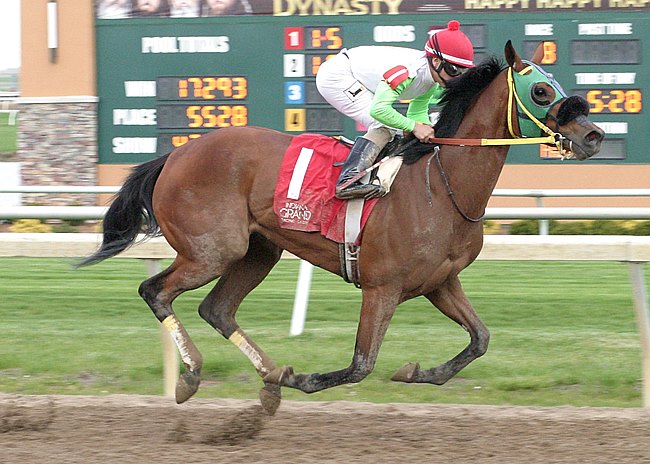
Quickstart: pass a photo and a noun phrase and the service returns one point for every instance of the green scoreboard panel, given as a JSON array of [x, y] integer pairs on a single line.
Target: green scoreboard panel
[[164, 81]]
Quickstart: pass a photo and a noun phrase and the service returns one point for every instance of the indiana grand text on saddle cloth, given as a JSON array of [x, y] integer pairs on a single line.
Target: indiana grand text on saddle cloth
[[304, 194]]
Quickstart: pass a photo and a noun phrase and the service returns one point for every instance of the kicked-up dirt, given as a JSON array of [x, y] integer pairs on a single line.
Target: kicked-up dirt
[[142, 429]]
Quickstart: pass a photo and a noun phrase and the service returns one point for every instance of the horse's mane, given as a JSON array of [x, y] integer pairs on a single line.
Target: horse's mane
[[458, 97]]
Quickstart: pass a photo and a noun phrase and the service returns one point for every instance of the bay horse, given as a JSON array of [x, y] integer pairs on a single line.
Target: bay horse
[[212, 199]]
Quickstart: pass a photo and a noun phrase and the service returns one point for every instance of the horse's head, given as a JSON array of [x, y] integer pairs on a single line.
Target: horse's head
[[542, 106]]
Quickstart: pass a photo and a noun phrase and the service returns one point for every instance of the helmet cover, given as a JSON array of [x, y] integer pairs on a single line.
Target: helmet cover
[[452, 45]]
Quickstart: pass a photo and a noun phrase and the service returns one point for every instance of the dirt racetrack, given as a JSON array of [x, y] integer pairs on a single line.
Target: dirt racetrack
[[138, 429]]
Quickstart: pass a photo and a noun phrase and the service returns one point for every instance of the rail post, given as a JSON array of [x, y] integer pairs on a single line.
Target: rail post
[[643, 320], [170, 354], [543, 223], [301, 299]]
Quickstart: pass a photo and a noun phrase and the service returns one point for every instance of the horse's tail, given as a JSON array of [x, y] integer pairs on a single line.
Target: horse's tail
[[130, 213]]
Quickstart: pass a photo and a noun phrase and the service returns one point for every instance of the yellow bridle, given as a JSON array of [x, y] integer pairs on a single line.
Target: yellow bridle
[[553, 138]]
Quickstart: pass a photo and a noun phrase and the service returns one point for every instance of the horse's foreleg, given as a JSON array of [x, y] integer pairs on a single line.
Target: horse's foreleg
[[220, 305], [377, 310], [453, 303]]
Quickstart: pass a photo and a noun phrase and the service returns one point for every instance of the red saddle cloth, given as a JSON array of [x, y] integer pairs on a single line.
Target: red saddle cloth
[[304, 195]]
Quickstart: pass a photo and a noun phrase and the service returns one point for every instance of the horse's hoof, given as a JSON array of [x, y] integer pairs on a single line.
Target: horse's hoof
[[187, 385], [278, 374], [406, 373], [270, 397]]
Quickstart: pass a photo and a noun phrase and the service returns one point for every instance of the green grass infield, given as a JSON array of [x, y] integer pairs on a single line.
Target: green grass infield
[[561, 334]]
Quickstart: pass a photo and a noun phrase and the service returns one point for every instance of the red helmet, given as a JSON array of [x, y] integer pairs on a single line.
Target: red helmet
[[451, 45]]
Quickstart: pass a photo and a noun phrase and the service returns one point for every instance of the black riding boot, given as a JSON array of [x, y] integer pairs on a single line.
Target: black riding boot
[[363, 154]]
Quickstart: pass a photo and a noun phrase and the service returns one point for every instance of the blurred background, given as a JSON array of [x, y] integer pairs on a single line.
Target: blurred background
[[9, 76]]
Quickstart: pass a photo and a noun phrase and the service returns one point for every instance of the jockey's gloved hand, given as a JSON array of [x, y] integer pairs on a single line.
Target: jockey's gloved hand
[[423, 132]]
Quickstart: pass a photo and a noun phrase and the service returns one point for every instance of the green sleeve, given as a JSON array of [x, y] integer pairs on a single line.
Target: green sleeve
[[418, 111], [382, 106]]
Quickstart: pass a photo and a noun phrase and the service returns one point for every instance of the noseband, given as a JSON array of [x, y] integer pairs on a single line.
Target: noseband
[[570, 109]]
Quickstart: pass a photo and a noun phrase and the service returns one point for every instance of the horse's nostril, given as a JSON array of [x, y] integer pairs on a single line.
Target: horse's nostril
[[594, 136]]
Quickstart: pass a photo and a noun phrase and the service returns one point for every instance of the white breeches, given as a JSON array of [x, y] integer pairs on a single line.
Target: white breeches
[[344, 92]]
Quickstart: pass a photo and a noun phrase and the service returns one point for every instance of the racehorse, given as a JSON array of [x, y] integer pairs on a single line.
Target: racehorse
[[212, 199]]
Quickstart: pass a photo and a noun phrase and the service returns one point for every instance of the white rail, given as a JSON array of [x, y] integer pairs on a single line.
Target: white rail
[[539, 212], [60, 189], [534, 193], [11, 121], [567, 213], [53, 212], [571, 193], [6, 106], [97, 212], [539, 196]]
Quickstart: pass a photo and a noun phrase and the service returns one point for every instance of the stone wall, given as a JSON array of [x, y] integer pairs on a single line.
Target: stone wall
[[57, 145]]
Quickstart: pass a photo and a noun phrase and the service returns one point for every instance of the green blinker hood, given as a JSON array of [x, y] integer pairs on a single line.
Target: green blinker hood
[[524, 82]]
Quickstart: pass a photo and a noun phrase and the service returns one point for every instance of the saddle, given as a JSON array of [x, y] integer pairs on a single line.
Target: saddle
[[304, 195]]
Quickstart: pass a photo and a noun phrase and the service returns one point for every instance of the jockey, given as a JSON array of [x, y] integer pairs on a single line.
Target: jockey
[[364, 83]]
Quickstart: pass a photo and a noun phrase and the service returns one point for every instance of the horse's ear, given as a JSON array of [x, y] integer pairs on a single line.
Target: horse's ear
[[512, 58], [539, 54]]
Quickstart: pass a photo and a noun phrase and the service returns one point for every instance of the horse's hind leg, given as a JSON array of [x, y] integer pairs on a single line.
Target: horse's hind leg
[[159, 292], [453, 303], [220, 305]]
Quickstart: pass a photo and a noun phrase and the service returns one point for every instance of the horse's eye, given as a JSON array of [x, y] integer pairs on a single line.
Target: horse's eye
[[541, 95]]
